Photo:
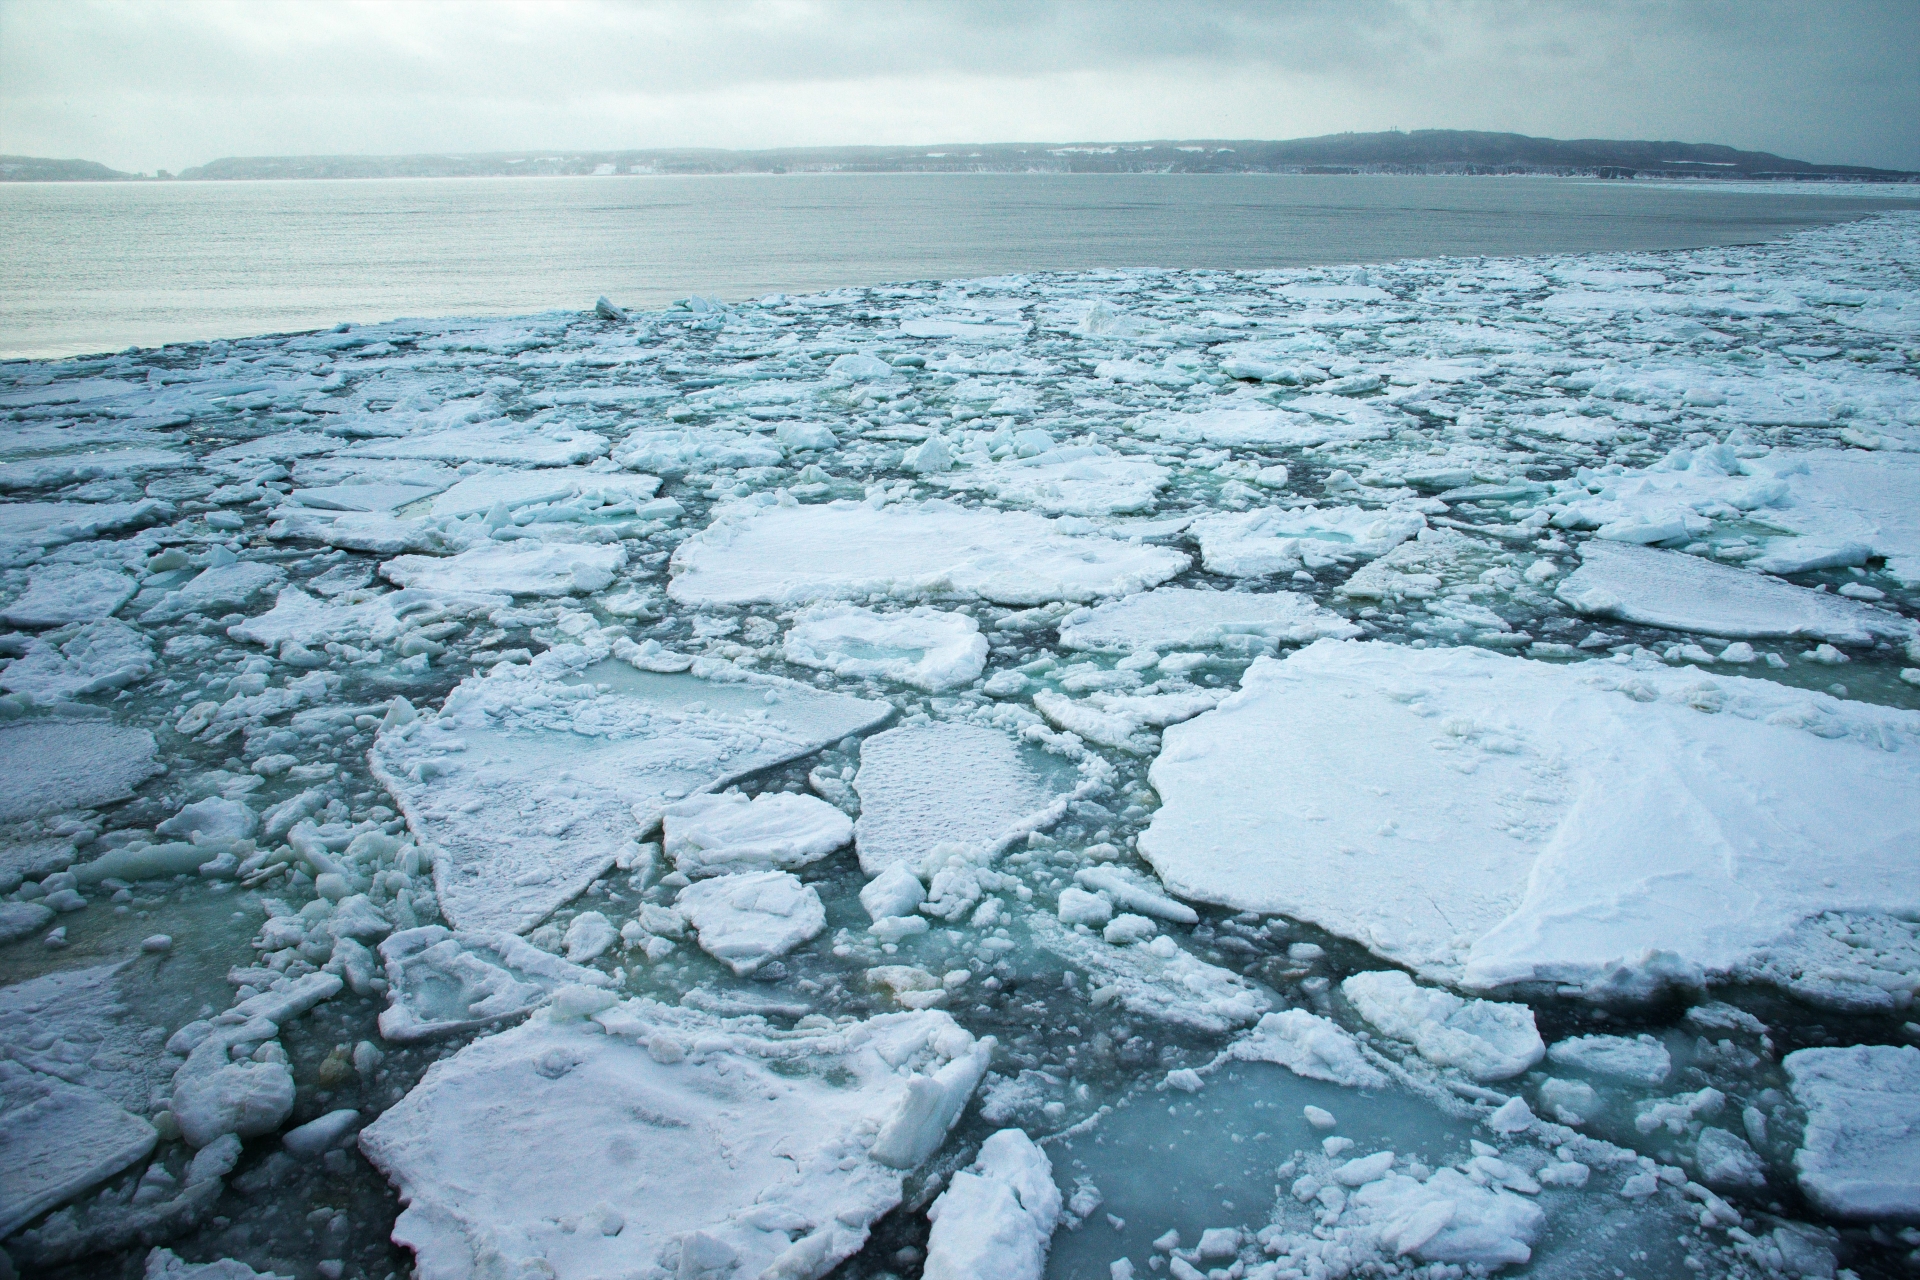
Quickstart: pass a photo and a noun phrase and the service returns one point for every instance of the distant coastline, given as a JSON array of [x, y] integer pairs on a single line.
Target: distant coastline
[[1424, 151]]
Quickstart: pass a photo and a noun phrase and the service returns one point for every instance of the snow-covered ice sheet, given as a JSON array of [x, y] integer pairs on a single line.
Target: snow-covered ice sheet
[[441, 983], [1074, 480], [747, 918], [1861, 1154], [721, 834], [60, 594], [1486, 1039], [70, 764], [530, 786], [1188, 618], [670, 1142], [997, 1216], [57, 1139], [1270, 540], [1492, 820], [521, 568], [937, 784], [1687, 593], [794, 555], [931, 649]]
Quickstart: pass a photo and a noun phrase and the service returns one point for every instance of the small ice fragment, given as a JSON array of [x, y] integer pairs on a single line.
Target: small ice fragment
[[1513, 1116], [746, 920], [996, 1218], [321, 1135], [1185, 1079], [1318, 1117], [894, 892]]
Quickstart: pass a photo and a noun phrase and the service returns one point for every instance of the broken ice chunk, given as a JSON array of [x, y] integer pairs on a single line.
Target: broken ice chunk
[[996, 1218], [1688, 593], [531, 785], [1270, 540], [58, 594], [716, 1142], [1186, 618], [927, 648], [1448, 1218], [1311, 1046], [746, 920], [796, 555], [1079, 480], [74, 661], [1155, 979], [59, 1139], [520, 568], [897, 891], [1486, 1039], [717, 834], [70, 764], [1860, 1157], [1550, 825], [923, 785], [1642, 1061]]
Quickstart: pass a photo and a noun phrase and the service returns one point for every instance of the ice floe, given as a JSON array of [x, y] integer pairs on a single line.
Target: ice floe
[[908, 780], [513, 568], [1610, 835], [442, 983], [671, 1142], [722, 834], [1175, 618], [1270, 540], [796, 555], [746, 919], [1861, 1154], [996, 1217], [530, 784], [928, 648], [70, 764]]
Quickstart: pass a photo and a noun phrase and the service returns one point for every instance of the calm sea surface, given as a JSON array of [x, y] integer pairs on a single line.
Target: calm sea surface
[[92, 267]]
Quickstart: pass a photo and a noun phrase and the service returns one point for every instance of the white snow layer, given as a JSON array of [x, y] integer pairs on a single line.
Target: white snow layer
[[521, 568], [1186, 618], [1486, 1039], [769, 553], [928, 648], [718, 834], [670, 1143], [1632, 825], [1688, 593], [747, 919], [996, 1218], [530, 784], [1861, 1154], [946, 784]]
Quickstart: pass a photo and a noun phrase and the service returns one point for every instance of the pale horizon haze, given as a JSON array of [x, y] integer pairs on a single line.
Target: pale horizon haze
[[178, 83]]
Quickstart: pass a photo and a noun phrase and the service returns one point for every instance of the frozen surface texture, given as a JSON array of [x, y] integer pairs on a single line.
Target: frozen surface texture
[[773, 554], [552, 741], [1608, 826], [911, 777], [530, 785], [669, 1142], [1861, 1154]]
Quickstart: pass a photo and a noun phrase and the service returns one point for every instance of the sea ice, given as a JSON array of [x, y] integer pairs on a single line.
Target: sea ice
[[946, 783], [1187, 618], [59, 594], [70, 764], [719, 834], [1255, 426], [1311, 1046], [530, 784], [1270, 540], [996, 1218], [1449, 1218], [1861, 1154], [1643, 1061], [521, 568], [1075, 480], [1484, 1038], [1611, 837], [670, 1142], [547, 445], [1689, 593], [747, 919], [442, 983], [73, 661], [1155, 979], [928, 648], [773, 554], [57, 1140]]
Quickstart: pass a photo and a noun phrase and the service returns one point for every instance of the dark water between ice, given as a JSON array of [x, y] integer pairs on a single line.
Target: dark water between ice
[[86, 268]]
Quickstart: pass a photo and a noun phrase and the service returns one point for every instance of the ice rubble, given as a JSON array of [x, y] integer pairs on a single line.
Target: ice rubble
[[442, 983], [928, 648], [530, 784], [1485, 1039], [996, 1217], [794, 555], [719, 834], [1613, 836], [1688, 593], [906, 780], [1270, 540], [671, 1142], [1861, 1154]]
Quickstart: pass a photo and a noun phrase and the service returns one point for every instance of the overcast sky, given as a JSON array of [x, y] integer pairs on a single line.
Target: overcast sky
[[173, 83]]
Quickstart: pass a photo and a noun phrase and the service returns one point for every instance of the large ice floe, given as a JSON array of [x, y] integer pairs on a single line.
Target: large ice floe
[[1491, 820], [1390, 770]]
